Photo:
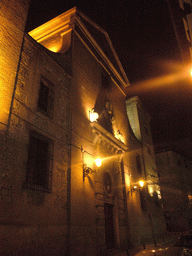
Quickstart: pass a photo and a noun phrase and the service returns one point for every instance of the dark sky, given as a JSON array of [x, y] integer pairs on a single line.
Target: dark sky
[[142, 35], [140, 30]]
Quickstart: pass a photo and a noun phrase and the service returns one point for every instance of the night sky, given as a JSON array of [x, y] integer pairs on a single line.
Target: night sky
[[142, 35]]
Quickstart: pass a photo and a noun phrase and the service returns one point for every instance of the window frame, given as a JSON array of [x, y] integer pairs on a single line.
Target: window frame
[[50, 97], [29, 182]]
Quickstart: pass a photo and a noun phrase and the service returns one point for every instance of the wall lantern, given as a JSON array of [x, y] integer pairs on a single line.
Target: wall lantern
[[190, 72], [141, 183], [138, 186], [87, 170], [93, 116]]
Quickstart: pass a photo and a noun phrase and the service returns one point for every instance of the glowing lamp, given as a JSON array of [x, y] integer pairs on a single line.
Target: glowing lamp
[[98, 162], [87, 170], [138, 187], [141, 183], [93, 116]]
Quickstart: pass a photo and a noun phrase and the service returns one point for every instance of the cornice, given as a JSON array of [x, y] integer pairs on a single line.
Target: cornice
[[106, 138]]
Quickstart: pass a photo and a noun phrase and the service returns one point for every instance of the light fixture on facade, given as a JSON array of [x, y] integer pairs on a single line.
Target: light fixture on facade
[[93, 116], [87, 170], [98, 162], [191, 72], [137, 187], [141, 183], [133, 189]]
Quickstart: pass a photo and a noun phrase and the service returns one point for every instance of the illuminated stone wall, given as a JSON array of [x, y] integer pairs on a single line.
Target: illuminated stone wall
[[88, 197], [13, 16], [36, 221], [140, 124], [73, 215]]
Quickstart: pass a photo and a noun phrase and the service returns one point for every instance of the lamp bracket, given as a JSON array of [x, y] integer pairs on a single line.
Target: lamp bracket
[[135, 188], [87, 171]]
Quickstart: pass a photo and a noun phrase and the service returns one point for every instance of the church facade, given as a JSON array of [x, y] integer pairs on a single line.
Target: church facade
[[67, 108]]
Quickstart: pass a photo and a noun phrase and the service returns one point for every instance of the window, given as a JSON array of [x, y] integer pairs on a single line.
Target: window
[[40, 158], [138, 162], [46, 97]]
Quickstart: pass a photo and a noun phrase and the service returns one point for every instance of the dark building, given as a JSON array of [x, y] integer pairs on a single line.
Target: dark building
[[175, 181], [181, 16]]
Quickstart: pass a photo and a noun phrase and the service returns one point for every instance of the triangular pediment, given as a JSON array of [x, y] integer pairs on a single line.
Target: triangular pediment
[[102, 39], [56, 35]]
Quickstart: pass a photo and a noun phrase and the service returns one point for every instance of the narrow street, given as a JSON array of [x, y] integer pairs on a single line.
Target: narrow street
[[165, 249], [155, 252]]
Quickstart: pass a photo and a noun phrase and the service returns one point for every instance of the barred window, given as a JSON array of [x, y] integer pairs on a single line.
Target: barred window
[[46, 97], [40, 159]]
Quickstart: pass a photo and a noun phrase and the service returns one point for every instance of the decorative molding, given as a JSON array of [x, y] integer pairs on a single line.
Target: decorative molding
[[107, 139], [56, 35]]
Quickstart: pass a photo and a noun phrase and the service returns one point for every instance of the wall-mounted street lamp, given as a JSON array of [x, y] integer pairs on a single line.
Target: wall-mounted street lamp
[[87, 170], [141, 183], [93, 116], [137, 187]]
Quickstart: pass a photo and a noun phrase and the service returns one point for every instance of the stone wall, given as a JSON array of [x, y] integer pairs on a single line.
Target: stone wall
[[13, 16], [35, 221]]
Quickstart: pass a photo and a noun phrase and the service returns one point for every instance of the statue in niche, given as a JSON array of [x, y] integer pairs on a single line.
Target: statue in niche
[[106, 117]]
